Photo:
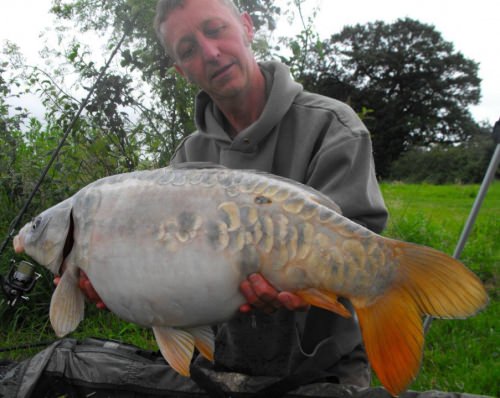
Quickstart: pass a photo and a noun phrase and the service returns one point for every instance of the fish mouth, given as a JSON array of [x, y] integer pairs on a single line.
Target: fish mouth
[[68, 244], [18, 244]]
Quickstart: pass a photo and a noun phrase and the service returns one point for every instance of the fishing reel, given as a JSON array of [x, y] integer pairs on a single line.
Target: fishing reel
[[19, 281]]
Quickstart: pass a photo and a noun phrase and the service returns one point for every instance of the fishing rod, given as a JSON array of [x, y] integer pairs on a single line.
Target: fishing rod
[[21, 277], [487, 180]]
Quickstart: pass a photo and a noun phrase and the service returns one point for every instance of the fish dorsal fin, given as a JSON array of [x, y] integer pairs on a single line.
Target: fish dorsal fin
[[67, 305], [196, 166], [204, 341], [176, 346], [324, 299]]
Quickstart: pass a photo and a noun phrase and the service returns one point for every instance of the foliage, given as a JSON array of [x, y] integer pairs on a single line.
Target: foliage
[[444, 164], [143, 84], [305, 48], [10, 123], [416, 85]]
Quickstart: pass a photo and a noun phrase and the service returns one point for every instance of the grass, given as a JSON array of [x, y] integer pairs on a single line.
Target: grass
[[460, 355]]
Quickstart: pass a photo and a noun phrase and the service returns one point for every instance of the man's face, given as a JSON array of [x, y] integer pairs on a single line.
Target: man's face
[[211, 47]]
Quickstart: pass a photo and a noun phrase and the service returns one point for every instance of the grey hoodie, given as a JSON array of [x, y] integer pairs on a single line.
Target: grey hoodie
[[321, 142]]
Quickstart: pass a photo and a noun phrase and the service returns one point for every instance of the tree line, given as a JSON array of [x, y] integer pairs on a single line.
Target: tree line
[[411, 87]]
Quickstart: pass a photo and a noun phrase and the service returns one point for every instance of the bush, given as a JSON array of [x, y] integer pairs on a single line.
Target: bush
[[442, 164]]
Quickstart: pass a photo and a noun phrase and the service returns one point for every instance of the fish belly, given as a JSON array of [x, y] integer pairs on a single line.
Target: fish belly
[[188, 288]]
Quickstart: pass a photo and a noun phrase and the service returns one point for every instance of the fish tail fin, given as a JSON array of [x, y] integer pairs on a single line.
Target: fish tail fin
[[428, 282], [67, 305]]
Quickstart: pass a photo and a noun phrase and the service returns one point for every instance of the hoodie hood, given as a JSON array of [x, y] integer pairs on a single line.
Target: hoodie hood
[[281, 91]]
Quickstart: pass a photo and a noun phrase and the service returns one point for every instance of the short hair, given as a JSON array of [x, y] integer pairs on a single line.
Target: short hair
[[165, 7]]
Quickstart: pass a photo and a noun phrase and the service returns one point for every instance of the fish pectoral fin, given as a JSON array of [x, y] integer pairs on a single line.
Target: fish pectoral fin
[[67, 305], [204, 341], [324, 299], [176, 346]]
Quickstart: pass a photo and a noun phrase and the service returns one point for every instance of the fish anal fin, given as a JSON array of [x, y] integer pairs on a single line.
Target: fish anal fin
[[324, 299], [393, 337], [176, 346], [67, 305], [204, 341]]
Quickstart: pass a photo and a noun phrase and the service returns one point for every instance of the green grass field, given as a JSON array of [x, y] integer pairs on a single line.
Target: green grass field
[[460, 355]]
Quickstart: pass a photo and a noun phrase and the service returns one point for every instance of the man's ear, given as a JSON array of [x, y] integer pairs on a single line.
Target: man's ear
[[182, 73], [179, 70], [246, 21]]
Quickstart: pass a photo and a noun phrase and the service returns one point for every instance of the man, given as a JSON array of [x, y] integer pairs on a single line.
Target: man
[[254, 116]]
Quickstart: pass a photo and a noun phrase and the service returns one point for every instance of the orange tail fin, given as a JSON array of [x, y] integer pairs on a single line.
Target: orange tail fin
[[428, 283]]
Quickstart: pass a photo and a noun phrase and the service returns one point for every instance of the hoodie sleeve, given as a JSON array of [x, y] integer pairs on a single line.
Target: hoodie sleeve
[[344, 170]]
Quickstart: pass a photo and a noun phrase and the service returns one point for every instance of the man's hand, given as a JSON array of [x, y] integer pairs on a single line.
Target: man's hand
[[86, 287], [260, 294]]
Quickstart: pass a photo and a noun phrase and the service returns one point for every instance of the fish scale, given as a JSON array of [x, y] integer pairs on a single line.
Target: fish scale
[[182, 239]]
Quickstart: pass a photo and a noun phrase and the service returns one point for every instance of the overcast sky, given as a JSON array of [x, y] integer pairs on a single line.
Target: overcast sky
[[472, 26]]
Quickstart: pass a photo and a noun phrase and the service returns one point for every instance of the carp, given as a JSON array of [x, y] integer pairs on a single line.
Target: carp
[[168, 249]]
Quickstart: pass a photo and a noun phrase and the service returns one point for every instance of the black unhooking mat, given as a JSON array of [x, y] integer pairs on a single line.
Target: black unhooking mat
[[104, 369]]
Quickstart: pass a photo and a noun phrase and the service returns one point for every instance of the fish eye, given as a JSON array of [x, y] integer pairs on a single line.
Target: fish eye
[[35, 223]]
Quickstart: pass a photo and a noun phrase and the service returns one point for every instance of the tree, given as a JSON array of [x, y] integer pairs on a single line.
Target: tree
[[416, 87], [10, 123]]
